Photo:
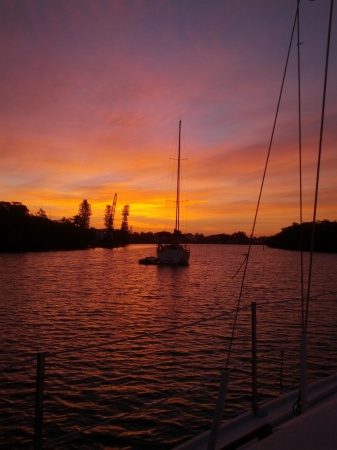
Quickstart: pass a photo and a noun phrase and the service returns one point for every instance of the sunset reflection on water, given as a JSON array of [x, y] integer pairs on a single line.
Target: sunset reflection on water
[[142, 347]]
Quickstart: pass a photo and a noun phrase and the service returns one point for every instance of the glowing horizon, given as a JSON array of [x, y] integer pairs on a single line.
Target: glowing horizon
[[92, 95]]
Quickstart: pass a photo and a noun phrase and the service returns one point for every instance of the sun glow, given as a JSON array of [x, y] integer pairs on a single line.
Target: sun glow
[[87, 113]]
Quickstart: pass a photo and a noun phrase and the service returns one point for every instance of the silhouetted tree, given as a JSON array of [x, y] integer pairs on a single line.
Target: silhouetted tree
[[298, 237], [122, 236], [240, 237], [42, 214], [21, 231], [82, 219], [108, 218], [125, 215], [14, 226]]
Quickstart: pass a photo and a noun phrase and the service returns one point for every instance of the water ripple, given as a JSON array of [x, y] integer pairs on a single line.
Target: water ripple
[[135, 352]]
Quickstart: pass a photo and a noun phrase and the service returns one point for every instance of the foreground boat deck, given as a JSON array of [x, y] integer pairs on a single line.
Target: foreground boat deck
[[279, 429], [315, 430]]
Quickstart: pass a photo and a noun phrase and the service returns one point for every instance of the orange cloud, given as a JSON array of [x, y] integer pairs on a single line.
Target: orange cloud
[[92, 95]]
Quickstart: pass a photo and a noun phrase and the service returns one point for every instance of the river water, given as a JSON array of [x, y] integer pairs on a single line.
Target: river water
[[134, 352]]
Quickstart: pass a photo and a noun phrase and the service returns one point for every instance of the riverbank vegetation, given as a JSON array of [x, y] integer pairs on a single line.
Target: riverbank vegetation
[[299, 236], [22, 231]]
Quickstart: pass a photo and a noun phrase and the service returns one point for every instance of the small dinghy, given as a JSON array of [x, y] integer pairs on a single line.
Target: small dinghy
[[149, 260]]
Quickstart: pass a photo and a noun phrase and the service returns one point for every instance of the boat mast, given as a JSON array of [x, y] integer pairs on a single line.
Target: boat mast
[[178, 183]]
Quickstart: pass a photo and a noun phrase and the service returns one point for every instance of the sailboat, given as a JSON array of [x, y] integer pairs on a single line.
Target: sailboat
[[176, 252]]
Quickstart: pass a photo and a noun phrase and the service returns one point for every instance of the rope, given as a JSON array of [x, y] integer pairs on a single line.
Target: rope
[[318, 170], [232, 278], [261, 189], [300, 157]]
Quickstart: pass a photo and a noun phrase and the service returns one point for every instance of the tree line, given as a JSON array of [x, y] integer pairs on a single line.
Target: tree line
[[239, 237], [21, 231], [300, 237]]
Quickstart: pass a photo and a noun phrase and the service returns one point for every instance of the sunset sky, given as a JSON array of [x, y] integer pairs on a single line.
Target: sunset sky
[[92, 92]]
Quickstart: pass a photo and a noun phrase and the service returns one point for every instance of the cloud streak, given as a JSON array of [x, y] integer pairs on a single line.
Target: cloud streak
[[92, 93]]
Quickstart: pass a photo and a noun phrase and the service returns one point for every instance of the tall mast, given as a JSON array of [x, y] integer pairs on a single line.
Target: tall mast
[[178, 183]]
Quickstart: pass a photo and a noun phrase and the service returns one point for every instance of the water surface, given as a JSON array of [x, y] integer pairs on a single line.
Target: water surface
[[134, 352]]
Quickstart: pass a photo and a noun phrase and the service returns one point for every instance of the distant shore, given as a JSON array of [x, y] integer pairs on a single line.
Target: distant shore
[[21, 231]]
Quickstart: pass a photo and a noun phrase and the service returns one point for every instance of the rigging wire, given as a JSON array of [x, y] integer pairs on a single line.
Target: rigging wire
[[313, 229], [260, 193], [299, 43]]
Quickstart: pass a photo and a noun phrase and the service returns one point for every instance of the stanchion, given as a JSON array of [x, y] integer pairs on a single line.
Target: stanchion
[[254, 361], [39, 401], [220, 404]]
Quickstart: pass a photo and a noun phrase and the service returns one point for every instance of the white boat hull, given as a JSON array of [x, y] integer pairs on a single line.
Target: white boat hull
[[173, 254]]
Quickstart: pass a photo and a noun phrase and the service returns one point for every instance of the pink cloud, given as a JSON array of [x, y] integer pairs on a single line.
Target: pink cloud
[[92, 94]]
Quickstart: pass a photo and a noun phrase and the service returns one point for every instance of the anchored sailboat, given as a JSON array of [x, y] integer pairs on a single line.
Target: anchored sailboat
[[176, 252]]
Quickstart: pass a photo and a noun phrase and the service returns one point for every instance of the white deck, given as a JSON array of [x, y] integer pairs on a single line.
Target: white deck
[[314, 430]]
